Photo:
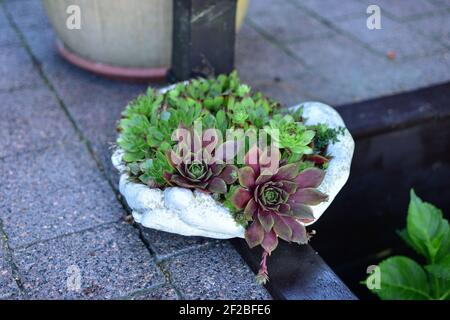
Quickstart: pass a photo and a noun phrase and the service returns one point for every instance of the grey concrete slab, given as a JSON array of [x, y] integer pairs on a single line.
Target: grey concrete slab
[[165, 292], [43, 46], [332, 10], [16, 69], [31, 119], [108, 261], [436, 26], [404, 11], [349, 74], [8, 36], [53, 192], [166, 244], [285, 21], [441, 3], [291, 89], [394, 37], [103, 151], [8, 287], [215, 272], [263, 64], [252, 49], [27, 14], [422, 72]]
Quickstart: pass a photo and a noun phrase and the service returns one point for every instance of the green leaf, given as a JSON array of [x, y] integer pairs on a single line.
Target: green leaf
[[405, 237], [441, 269], [428, 231], [440, 278], [221, 121], [402, 279]]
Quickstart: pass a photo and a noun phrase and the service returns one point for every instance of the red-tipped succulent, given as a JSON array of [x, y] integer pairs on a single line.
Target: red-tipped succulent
[[277, 202]]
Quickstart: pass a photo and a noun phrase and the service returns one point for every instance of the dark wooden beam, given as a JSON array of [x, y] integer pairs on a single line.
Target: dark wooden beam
[[395, 112], [296, 272], [203, 38]]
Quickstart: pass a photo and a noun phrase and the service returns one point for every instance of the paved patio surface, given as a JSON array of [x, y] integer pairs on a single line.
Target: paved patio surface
[[59, 206], [299, 50]]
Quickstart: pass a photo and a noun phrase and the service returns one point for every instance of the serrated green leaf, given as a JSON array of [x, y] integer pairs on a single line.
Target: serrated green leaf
[[428, 231], [402, 279]]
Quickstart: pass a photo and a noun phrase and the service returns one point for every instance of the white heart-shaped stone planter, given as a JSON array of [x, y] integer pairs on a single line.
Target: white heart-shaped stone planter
[[193, 213]]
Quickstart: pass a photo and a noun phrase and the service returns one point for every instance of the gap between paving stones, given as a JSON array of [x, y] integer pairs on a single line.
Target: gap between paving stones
[[9, 260]]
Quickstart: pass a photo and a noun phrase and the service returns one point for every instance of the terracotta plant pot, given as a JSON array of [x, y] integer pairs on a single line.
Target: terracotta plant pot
[[120, 38]]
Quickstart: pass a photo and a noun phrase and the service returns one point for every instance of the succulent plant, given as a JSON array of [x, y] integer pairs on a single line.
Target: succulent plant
[[290, 134], [198, 169], [276, 202], [270, 204], [203, 176]]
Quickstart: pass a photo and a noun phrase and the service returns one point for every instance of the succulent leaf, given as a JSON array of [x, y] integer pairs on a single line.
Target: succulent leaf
[[240, 198], [270, 241], [254, 235]]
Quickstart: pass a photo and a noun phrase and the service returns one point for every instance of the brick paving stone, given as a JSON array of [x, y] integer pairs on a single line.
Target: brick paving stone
[[103, 150], [112, 262], [441, 3], [436, 26], [42, 45], [251, 50], [350, 74], [290, 90], [98, 115], [285, 22], [52, 192], [322, 52], [325, 89], [167, 244], [31, 119], [16, 69], [8, 36], [27, 14], [421, 72], [8, 287], [332, 9], [404, 41], [216, 272], [162, 293], [401, 11]]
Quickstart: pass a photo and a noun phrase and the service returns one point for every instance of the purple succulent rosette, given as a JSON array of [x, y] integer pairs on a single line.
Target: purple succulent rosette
[[276, 203], [199, 169]]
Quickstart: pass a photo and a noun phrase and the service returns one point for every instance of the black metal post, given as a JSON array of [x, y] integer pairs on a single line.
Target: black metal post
[[203, 38]]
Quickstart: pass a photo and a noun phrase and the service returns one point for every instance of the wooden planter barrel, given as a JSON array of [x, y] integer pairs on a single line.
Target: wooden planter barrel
[[121, 38]]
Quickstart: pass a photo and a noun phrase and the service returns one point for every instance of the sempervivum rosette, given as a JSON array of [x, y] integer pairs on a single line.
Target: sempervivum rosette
[[199, 169], [276, 202]]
